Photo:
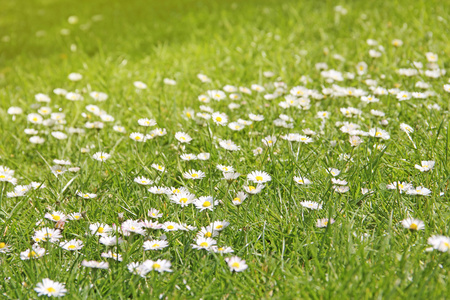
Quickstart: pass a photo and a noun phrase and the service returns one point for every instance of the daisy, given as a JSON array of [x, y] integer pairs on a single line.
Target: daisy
[[47, 234], [401, 186], [95, 264], [101, 156], [55, 216], [413, 224], [50, 288], [170, 226], [161, 265], [239, 198], [379, 133], [230, 176], [203, 243], [132, 226], [143, 181], [151, 225], [183, 137], [137, 136], [269, 141], [207, 232], [220, 118], [235, 126], [188, 157], [205, 202], [236, 264], [311, 205], [59, 135], [406, 128], [254, 190], [229, 145], [324, 222], [100, 229], [419, 191], [225, 169], [158, 190], [193, 174], [216, 95], [440, 242], [146, 122], [219, 225], [256, 118], [112, 255], [4, 248], [140, 85], [110, 240], [203, 156], [334, 172], [301, 180], [119, 128], [338, 181], [341, 189], [86, 195], [203, 99], [74, 96], [155, 245], [203, 78], [425, 166], [71, 245], [42, 98], [158, 167], [154, 213], [222, 250], [33, 253], [259, 177]]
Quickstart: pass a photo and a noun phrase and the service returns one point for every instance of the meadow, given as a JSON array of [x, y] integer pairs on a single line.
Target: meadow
[[200, 149]]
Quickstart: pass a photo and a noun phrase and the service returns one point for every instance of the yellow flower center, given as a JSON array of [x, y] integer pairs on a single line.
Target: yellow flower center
[[378, 133], [183, 138], [219, 226], [56, 217], [137, 138], [188, 115], [204, 244], [413, 226], [156, 266], [32, 254], [2, 176], [101, 230], [170, 227], [208, 234], [303, 139], [2, 245], [51, 290], [155, 245], [237, 199], [194, 175], [259, 178], [401, 186], [71, 247], [235, 265], [220, 249], [184, 200], [251, 187], [219, 119], [206, 204]]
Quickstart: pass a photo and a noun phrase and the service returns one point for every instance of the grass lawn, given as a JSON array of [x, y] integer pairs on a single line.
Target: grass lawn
[[118, 159]]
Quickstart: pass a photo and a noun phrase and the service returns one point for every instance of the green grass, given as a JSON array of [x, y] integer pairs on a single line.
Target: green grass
[[365, 254]]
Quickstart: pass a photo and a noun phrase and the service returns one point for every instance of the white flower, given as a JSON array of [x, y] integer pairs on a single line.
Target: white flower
[[239, 198], [413, 224], [50, 288], [406, 128], [440, 242], [112, 255], [74, 96], [216, 95], [419, 191], [95, 264], [147, 122], [71, 245], [220, 118], [101, 156], [334, 172], [324, 222], [193, 174], [301, 180], [155, 245], [143, 181], [183, 137], [205, 203], [236, 264], [259, 177], [98, 96], [203, 243], [169, 81], [426, 166], [311, 205], [33, 253], [161, 265], [229, 145], [140, 85]]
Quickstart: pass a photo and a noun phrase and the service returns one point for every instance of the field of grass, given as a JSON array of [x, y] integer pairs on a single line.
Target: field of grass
[[355, 86]]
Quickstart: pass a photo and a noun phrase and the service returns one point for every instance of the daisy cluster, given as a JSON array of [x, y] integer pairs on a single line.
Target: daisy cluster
[[221, 161]]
